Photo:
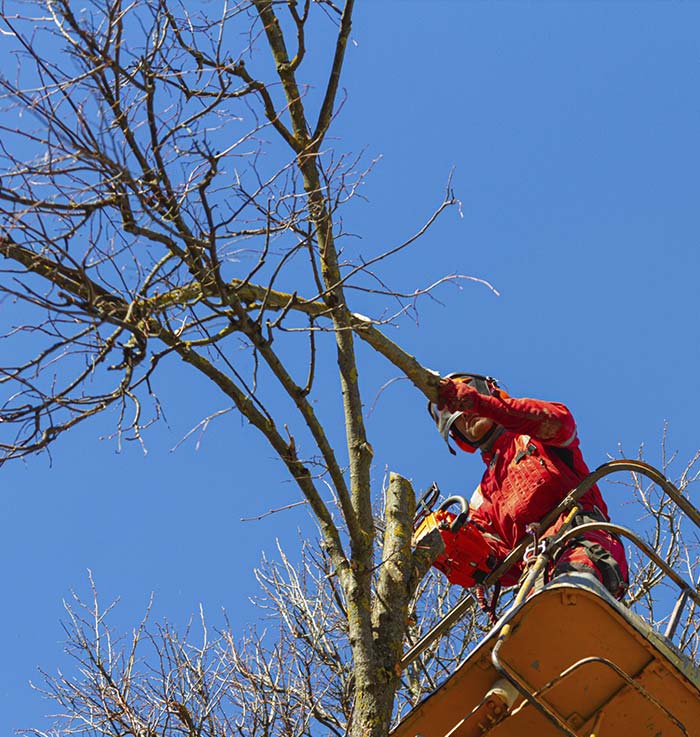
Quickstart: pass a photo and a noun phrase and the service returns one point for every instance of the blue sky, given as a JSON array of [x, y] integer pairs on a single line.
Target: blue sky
[[572, 129]]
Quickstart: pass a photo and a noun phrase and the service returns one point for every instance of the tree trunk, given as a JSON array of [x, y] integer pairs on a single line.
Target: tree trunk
[[374, 701]]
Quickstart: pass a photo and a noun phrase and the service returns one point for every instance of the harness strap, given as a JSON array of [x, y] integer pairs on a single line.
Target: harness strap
[[601, 558]]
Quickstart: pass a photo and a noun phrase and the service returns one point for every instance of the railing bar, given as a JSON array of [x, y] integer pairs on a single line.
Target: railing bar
[[676, 615], [460, 609], [646, 549]]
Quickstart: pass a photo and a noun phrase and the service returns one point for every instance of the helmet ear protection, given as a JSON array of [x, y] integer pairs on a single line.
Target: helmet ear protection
[[445, 419]]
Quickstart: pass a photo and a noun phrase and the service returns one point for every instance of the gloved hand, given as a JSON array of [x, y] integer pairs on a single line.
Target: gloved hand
[[457, 396]]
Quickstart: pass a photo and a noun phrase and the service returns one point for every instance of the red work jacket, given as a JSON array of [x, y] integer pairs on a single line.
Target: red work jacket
[[530, 468]]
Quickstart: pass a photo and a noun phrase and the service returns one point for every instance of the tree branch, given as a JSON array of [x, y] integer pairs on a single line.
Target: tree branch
[[326, 113]]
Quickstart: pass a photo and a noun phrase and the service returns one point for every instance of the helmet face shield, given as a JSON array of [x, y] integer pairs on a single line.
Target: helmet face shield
[[445, 418]]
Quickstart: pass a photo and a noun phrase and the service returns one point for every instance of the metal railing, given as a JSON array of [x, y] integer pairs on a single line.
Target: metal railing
[[567, 504]]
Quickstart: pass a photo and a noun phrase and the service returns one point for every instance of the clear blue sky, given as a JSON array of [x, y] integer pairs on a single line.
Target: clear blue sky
[[573, 129]]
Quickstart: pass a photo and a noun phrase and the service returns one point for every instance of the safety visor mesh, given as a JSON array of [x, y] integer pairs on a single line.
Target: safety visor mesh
[[444, 419]]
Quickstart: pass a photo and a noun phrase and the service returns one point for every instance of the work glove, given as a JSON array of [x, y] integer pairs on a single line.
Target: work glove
[[457, 396]]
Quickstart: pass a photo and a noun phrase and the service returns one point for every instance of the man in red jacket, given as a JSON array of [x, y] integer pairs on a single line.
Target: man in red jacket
[[532, 456]]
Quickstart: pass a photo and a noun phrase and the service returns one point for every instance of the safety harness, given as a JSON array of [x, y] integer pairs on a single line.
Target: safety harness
[[601, 558]]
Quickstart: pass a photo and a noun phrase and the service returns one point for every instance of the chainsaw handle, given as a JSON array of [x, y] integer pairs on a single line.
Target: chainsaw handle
[[425, 504], [462, 517]]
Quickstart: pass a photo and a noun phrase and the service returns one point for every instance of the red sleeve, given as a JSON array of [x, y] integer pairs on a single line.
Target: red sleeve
[[549, 422]]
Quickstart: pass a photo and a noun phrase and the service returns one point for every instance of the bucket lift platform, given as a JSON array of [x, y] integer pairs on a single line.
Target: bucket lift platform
[[569, 659], [584, 665]]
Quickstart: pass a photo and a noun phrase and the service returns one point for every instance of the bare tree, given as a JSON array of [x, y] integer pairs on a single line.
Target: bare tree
[[167, 193], [667, 532], [292, 674]]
